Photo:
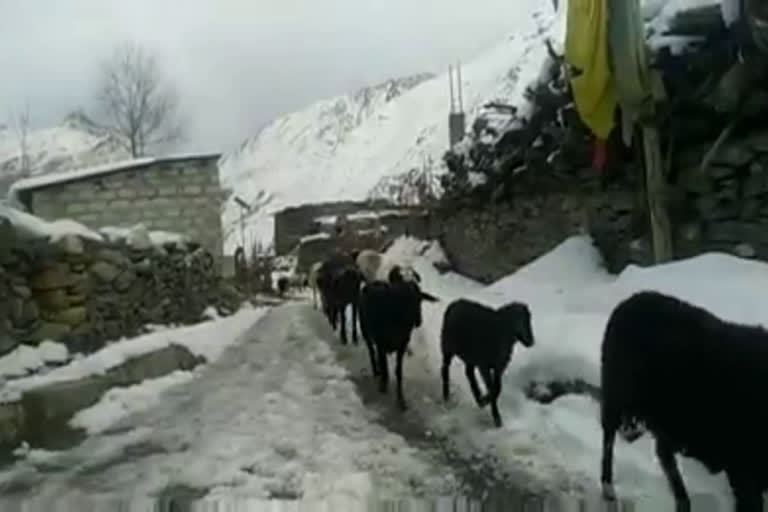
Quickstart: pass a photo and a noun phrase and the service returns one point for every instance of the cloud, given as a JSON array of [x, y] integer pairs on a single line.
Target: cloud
[[237, 64]]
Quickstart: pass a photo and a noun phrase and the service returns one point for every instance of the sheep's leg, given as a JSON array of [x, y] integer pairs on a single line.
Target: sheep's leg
[[666, 456], [333, 316], [399, 376], [747, 495], [495, 392], [354, 323], [368, 343], [445, 372], [469, 370], [383, 370], [485, 374], [492, 379], [610, 425], [343, 323], [372, 355]]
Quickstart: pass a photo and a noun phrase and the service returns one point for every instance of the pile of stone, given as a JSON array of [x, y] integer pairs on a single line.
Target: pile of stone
[[85, 292], [727, 200]]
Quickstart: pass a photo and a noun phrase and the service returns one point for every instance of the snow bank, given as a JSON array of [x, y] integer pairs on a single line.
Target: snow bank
[[26, 359], [140, 237], [571, 297], [35, 227], [208, 339], [118, 403]]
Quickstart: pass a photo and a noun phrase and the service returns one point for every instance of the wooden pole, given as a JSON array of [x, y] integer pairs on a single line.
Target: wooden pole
[[242, 227], [458, 86], [655, 187]]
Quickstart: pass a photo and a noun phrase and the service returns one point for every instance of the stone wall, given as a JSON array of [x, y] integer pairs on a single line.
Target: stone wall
[[291, 224], [724, 208], [183, 196], [84, 292], [490, 242], [721, 208]]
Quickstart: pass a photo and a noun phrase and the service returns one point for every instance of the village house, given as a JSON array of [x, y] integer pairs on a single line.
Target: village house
[[178, 193]]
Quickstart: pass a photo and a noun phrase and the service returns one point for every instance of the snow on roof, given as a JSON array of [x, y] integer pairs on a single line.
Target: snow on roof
[[46, 180], [35, 227], [313, 237], [362, 215]]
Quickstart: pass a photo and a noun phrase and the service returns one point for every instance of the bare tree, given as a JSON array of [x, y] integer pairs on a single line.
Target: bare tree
[[138, 105], [20, 121]]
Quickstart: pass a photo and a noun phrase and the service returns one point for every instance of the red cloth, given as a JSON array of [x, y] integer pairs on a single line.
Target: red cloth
[[599, 155]]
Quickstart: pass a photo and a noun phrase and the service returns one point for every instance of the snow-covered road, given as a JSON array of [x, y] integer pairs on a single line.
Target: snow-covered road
[[279, 415]]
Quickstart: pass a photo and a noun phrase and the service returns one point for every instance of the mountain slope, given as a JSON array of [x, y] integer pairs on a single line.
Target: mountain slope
[[76, 142], [343, 147]]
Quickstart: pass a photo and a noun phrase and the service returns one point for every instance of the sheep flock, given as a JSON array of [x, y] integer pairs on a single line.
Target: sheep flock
[[668, 368]]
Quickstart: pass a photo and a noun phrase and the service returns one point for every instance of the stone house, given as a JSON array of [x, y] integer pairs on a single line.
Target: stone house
[[176, 193], [295, 223]]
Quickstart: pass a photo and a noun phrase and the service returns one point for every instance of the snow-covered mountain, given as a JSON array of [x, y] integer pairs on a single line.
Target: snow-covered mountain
[[75, 142], [341, 148]]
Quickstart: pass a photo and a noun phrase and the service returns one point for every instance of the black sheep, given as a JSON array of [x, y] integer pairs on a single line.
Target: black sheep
[[388, 314], [483, 338], [282, 285], [326, 273], [697, 383], [339, 283]]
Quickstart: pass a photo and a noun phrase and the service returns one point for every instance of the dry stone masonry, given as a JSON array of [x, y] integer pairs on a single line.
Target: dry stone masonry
[[84, 292]]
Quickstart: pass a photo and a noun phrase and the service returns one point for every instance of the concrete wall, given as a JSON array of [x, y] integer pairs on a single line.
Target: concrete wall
[[456, 127], [183, 196]]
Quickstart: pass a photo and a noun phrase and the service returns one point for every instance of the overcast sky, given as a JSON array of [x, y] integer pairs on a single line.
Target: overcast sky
[[237, 63]]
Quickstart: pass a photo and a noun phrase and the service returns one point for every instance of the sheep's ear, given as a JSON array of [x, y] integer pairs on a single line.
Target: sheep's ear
[[417, 276], [429, 298]]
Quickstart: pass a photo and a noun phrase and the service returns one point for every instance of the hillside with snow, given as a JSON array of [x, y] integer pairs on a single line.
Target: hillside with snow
[[350, 147], [76, 142], [356, 146], [342, 148]]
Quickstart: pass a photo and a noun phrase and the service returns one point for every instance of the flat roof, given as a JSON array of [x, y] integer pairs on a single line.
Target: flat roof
[[57, 178]]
